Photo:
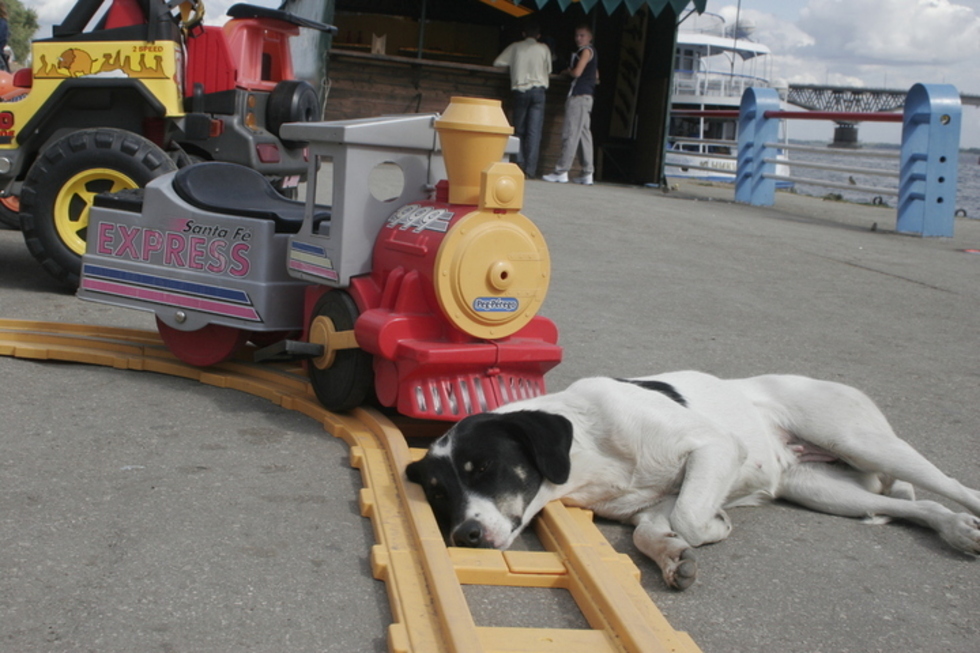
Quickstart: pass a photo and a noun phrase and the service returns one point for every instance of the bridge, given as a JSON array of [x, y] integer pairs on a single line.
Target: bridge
[[816, 97]]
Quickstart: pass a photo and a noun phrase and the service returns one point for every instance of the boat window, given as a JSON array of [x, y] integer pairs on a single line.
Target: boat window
[[686, 60]]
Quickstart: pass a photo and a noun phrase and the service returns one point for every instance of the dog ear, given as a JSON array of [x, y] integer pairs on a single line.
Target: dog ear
[[416, 471], [548, 437]]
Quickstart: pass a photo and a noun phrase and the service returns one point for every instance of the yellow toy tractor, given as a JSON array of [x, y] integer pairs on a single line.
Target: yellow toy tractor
[[144, 91]]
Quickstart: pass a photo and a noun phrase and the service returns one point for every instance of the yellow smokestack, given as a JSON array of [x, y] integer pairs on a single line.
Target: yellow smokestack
[[474, 135]]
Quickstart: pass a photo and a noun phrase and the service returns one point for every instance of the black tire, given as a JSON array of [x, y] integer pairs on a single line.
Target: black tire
[[59, 188], [292, 100], [348, 382], [10, 218]]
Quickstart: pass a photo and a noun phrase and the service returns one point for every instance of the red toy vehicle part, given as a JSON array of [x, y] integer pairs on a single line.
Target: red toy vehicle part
[[456, 330], [429, 301]]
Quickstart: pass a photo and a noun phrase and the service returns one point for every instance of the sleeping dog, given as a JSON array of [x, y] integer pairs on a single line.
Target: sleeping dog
[[669, 453]]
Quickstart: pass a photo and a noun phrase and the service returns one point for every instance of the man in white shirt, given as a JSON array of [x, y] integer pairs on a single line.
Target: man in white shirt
[[530, 65]]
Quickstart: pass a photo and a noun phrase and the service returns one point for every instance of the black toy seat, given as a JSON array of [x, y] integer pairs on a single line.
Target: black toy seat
[[232, 189]]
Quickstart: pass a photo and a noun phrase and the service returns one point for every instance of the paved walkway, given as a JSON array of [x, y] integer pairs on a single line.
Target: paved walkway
[[140, 512]]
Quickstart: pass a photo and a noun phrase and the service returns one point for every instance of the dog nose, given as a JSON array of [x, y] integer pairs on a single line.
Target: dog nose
[[469, 534]]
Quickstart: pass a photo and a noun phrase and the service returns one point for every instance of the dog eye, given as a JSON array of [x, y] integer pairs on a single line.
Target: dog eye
[[435, 492], [482, 467]]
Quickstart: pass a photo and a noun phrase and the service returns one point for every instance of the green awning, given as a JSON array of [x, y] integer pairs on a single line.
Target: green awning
[[656, 6]]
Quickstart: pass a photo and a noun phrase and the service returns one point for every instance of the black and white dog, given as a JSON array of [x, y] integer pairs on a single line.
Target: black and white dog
[[668, 453]]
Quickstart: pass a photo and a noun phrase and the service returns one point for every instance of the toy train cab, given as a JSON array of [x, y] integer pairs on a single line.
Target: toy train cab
[[395, 279]]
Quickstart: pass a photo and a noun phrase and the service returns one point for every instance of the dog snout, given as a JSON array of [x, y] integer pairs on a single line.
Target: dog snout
[[469, 534]]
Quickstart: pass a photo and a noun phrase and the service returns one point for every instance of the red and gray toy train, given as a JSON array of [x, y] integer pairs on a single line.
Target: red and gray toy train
[[413, 275]]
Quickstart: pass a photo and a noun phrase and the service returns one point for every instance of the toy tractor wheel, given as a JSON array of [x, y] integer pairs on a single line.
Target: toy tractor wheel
[[291, 101], [343, 376], [59, 189], [10, 211]]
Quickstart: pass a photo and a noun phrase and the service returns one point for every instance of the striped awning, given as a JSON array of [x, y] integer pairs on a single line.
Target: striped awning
[[656, 6]]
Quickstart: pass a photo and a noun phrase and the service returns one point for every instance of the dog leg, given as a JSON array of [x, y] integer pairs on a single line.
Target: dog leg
[[710, 472], [654, 537], [889, 454], [844, 421], [841, 492]]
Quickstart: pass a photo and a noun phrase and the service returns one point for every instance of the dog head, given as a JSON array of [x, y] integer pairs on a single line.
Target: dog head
[[482, 476]]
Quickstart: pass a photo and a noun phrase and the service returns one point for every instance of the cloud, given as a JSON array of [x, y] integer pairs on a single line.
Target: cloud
[[872, 43], [51, 11], [779, 35], [889, 44], [893, 32]]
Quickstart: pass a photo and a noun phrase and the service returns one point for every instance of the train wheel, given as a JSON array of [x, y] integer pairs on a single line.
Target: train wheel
[[342, 377], [64, 180], [211, 345]]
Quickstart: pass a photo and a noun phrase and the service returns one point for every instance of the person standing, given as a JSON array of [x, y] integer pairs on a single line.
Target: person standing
[[576, 132], [529, 61]]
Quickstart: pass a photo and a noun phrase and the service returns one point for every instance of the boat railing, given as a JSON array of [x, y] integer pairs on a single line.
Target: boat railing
[[710, 83], [707, 150], [927, 164]]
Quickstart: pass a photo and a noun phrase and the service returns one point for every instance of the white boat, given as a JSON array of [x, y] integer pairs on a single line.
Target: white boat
[[713, 65]]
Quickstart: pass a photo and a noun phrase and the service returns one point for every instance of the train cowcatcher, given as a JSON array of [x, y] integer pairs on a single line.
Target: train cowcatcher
[[418, 280]]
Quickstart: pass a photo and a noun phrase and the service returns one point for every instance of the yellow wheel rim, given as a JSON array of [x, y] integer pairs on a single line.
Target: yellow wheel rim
[[74, 201], [323, 332]]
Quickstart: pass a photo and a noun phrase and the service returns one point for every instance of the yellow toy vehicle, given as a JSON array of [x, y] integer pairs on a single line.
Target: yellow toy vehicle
[[147, 90]]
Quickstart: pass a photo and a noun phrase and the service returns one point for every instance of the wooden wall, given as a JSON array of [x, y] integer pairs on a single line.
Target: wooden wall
[[364, 85]]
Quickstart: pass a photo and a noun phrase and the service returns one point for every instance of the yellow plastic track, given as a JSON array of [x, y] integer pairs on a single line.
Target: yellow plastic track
[[423, 577]]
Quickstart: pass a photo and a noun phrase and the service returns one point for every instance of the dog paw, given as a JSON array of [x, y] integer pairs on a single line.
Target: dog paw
[[681, 572], [963, 533]]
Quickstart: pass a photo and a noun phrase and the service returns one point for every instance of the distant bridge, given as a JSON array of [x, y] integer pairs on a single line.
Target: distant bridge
[[816, 97]]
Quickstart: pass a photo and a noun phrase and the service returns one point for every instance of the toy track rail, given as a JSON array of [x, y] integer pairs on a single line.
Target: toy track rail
[[424, 579]]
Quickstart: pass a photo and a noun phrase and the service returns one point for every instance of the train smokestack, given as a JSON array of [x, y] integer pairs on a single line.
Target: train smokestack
[[474, 134]]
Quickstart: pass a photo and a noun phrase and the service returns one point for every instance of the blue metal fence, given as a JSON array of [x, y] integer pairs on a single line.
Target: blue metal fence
[[928, 165]]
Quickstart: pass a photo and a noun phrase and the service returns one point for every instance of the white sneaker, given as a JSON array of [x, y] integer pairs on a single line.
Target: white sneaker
[[585, 180], [557, 177]]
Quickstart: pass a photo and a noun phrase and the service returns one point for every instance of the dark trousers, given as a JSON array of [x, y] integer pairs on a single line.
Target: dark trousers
[[528, 124]]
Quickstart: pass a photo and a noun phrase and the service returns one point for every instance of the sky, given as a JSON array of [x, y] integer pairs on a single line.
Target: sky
[[872, 43]]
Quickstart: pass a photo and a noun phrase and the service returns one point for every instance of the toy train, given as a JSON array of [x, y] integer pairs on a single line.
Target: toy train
[[426, 295]]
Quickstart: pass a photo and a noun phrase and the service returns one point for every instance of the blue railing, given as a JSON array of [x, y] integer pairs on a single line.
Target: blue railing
[[928, 164]]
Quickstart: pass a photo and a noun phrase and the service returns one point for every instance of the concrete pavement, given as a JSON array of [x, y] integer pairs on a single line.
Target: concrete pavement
[[141, 513]]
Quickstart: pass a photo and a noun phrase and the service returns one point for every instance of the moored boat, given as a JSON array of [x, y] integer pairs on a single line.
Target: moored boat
[[713, 65]]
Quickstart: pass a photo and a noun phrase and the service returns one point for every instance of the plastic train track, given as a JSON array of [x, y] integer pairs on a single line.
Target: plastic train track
[[423, 577]]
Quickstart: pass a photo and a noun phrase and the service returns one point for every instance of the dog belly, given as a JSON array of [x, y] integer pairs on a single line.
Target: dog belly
[[622, 507], [756, 485]]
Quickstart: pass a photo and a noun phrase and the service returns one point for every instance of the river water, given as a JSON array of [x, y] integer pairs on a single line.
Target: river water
[[967, 191]]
